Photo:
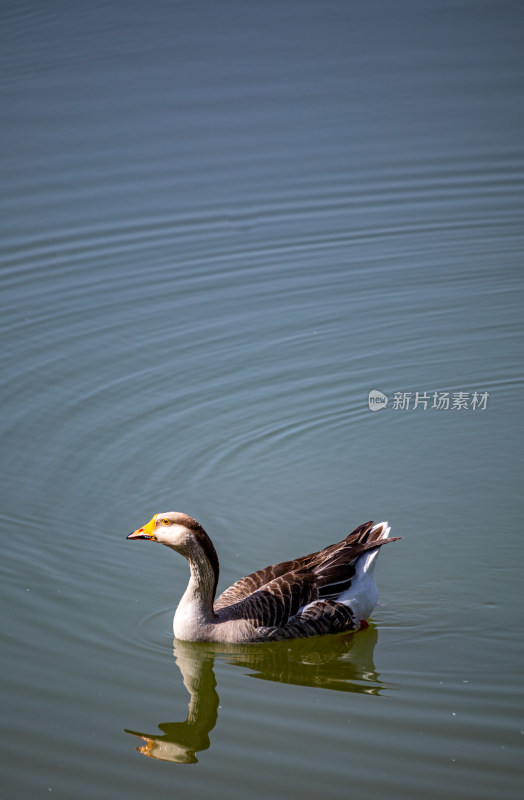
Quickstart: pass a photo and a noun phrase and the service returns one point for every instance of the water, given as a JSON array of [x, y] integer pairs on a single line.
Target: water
[[223, 225]]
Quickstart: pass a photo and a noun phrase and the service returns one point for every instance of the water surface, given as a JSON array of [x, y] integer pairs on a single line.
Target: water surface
[[223, 225]]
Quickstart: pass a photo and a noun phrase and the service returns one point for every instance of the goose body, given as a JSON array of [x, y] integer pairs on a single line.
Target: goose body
[[329, 591]]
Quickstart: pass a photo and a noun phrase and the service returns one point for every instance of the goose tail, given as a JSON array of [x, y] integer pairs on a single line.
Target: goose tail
[[362, 596], [375, 537]]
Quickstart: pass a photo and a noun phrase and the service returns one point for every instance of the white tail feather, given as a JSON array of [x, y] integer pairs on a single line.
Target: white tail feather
[[362, 595]]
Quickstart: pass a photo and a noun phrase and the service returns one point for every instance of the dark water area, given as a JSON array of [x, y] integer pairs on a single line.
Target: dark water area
[[224, 225]]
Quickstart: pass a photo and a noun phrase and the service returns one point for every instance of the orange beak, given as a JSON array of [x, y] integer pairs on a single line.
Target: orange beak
[[145, 532]]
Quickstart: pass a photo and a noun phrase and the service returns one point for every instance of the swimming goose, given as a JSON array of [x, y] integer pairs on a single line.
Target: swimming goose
[[330, 591]]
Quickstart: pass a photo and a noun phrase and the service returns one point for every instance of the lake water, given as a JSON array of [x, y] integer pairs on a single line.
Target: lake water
[[223, 226]]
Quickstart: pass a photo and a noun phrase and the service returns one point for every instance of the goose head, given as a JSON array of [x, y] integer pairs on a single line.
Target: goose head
[[171, 528], [186, 536]]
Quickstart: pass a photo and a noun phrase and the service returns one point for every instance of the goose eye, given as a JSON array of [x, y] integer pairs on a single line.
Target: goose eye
[[166, 521]]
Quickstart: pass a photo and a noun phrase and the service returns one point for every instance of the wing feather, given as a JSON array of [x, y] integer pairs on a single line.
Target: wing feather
[[246, 586], [276, 601], [324, 574], [318, 618]]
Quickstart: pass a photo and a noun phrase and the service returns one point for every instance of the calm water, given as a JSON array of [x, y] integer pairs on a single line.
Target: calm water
[[223, 225]]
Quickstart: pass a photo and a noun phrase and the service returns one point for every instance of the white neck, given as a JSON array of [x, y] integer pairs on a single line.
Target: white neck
[[195, 610]]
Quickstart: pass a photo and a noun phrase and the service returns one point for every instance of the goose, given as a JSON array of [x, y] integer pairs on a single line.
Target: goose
[[330, 591]]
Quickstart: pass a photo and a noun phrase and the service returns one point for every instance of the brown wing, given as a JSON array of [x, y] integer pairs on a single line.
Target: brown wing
[[276, 601], [333, 568], [246, 586], [317, 619]]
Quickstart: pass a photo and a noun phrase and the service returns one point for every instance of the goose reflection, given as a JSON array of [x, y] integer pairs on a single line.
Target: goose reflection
[[180, 741], [342, 663]]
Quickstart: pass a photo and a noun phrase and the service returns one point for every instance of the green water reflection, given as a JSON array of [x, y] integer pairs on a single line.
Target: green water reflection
[[342, 663]]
